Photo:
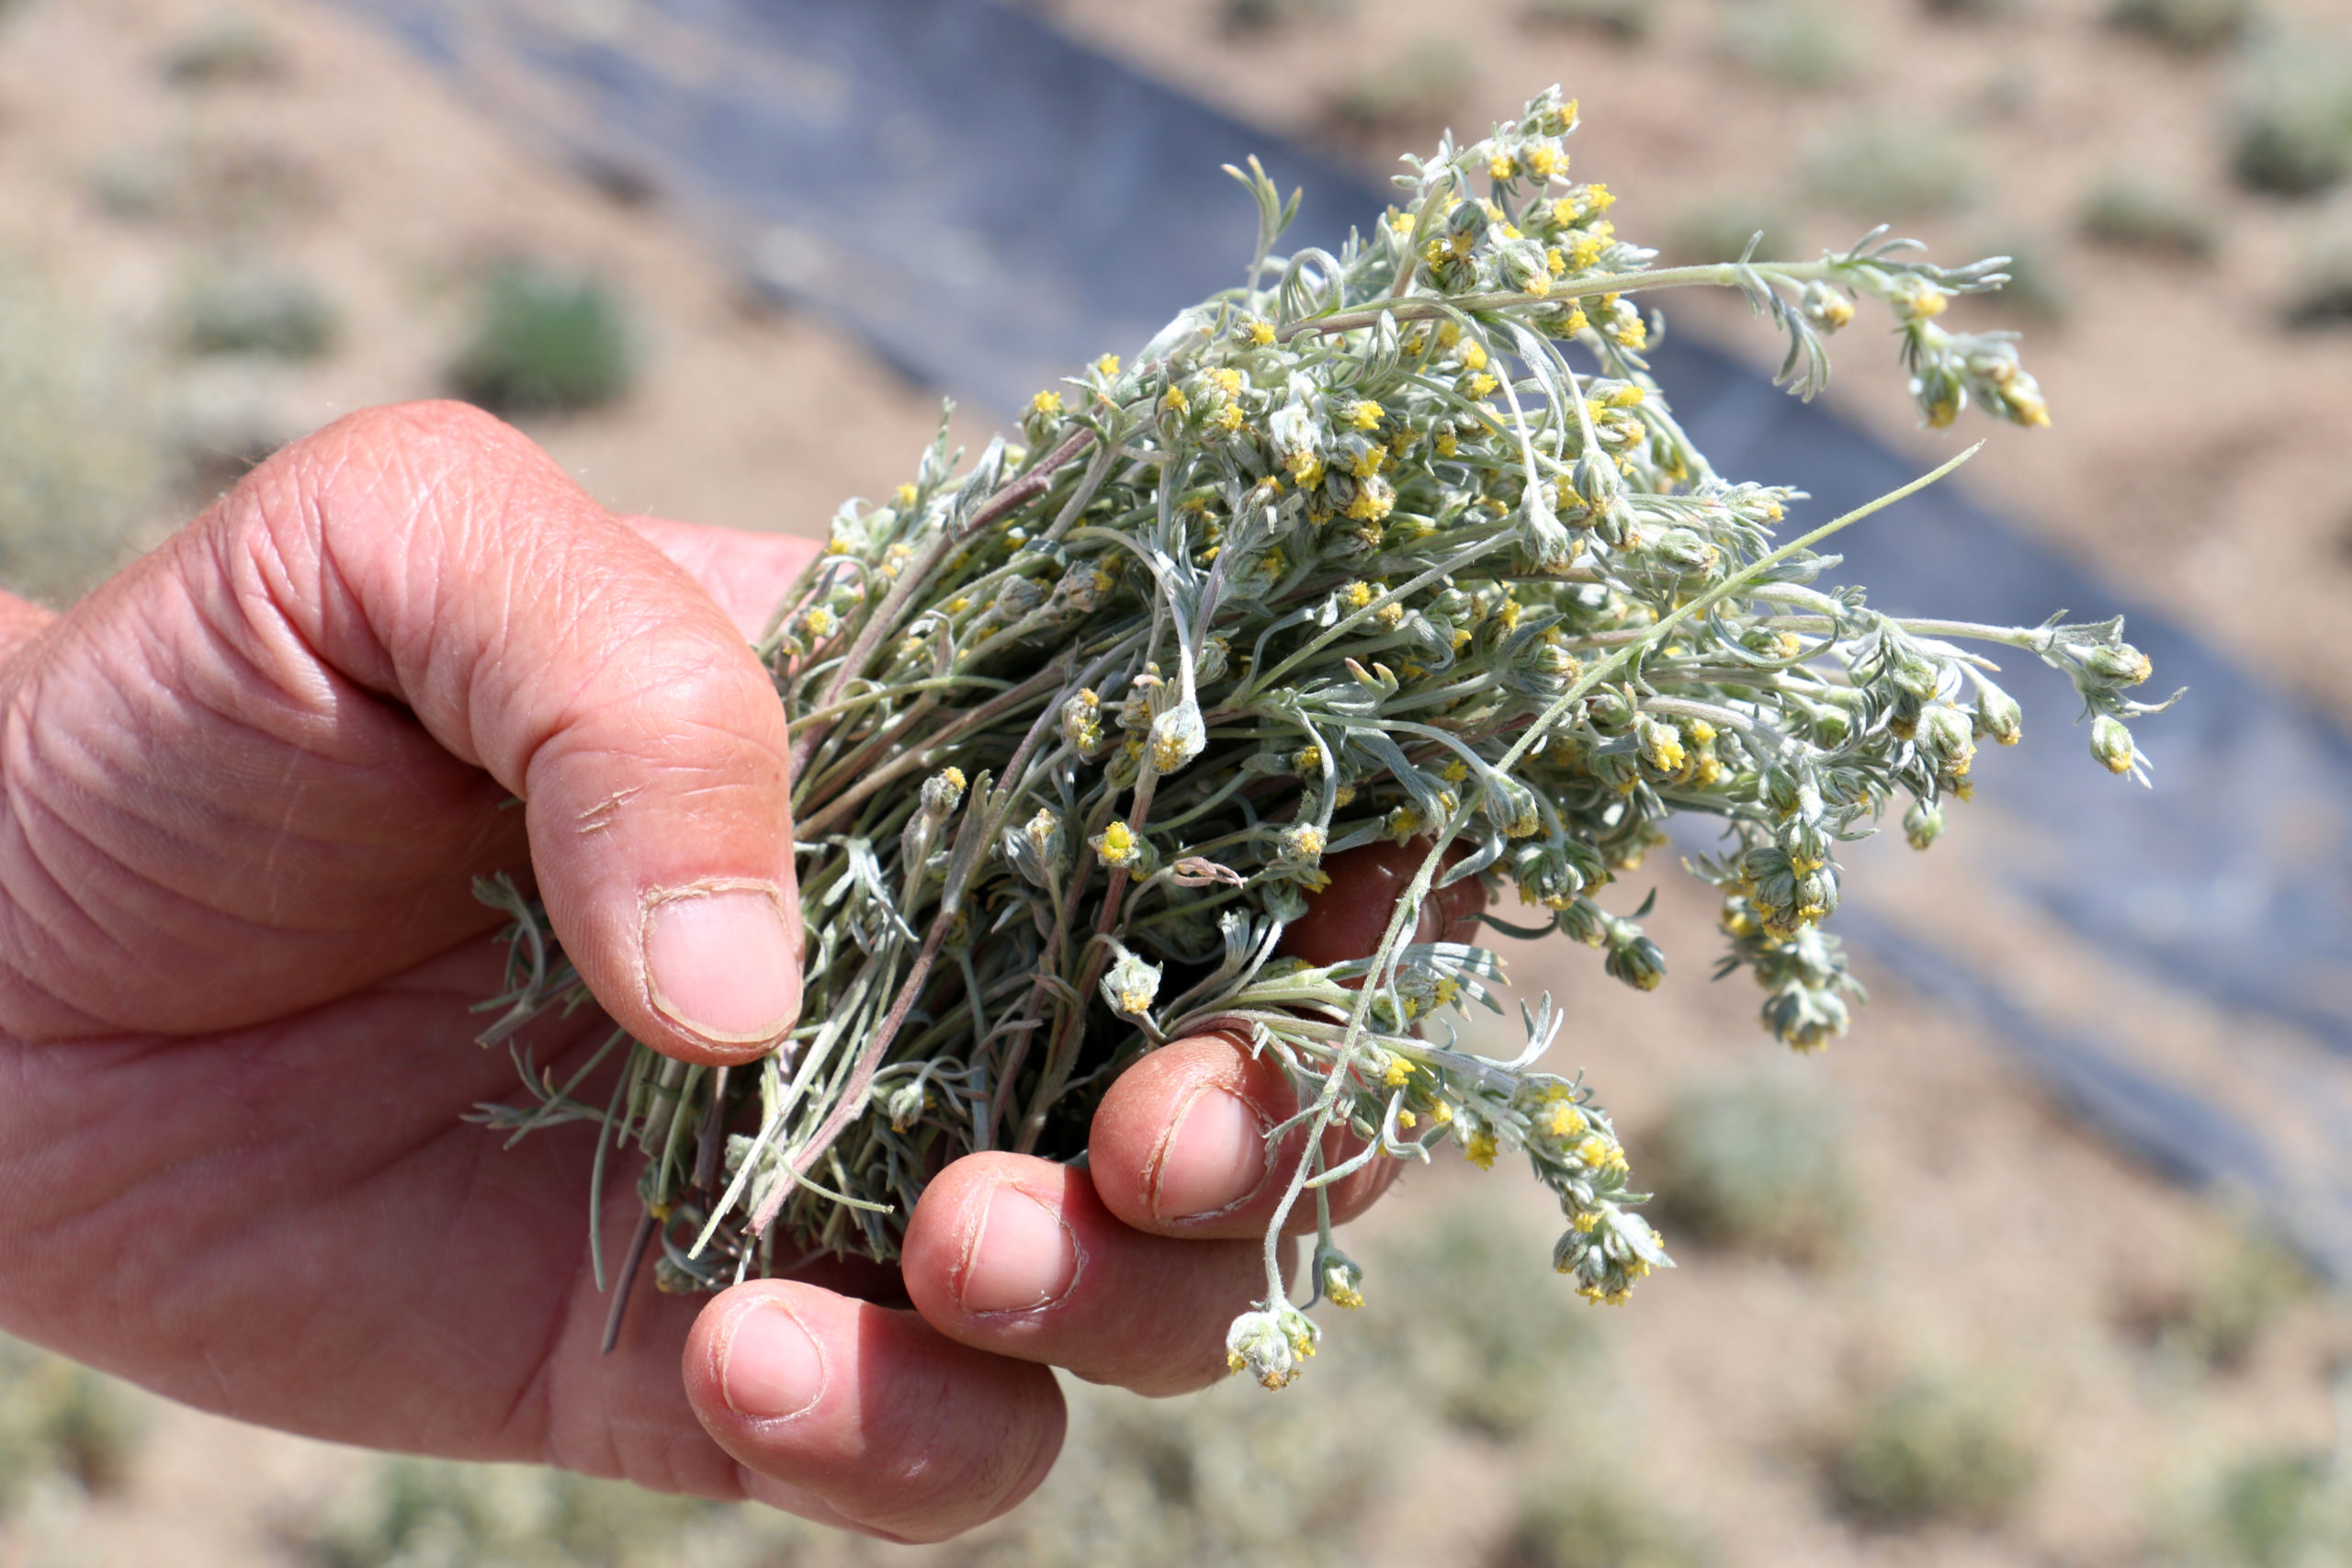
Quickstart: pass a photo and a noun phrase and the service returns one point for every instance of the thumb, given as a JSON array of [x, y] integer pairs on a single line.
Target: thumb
[[536, 636]]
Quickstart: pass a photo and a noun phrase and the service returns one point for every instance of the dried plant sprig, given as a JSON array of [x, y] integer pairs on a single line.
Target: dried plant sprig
[[1352, 553]]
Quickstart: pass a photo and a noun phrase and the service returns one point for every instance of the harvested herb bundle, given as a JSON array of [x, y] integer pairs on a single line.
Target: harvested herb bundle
[[1353, 553]]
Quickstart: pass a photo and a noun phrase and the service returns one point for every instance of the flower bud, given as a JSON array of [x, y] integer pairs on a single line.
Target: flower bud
[[1177, 736], [1269, 1345], [1341, 1280], [1037, 848], [1083, 722], [1546, 543], [2115, 664], [943, 792], [1923, 824], [1826, 307], [2111, 744], [1634, 958], [1131, 984], [1661, 744], [1998, 715], [1946, 739], [905, 1105]]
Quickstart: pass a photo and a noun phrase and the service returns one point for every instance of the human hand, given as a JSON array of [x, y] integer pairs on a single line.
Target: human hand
[[249, 784]]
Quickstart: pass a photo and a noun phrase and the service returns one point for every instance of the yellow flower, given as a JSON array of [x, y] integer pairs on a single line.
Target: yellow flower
[[1446, 444], [1117, 845], [1449, 333], [1045, 405], [1308, 759], [1359, 594], [1344, 795], [1228, 418], [1108, 365], [1482, 385], [1553, 262], [1397, 1073], [1543, 161], [1596, 198], [1441, 1113], [1502, 166], [1305, 469], [1175, 401], [1368, 462], [1584, 250], [904, 495], [1372, 502], [1474, 355], [820, 622], [1227, 379], [1563, 1120], [1482, 1149], [959, 605], [1408, 1120], [1366, 414]]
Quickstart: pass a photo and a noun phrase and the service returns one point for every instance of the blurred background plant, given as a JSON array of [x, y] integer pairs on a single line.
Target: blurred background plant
[[1791, 44], [79, 474], [244, 307], [2293, 131], [1934, 1451], [1755, 1162], [1627, 21], [2290, 1508], [2126, 213], [2193, 27], [1882, 170], [433, 1513], [60, 1421], [545, 340]]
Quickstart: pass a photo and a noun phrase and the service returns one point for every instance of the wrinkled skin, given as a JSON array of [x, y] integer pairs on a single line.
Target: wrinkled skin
[[249, 782]]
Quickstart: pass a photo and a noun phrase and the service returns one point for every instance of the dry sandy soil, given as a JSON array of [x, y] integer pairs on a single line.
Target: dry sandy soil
[[2199, 457]]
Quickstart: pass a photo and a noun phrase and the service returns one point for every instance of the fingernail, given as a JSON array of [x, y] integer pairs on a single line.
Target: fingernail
[[1215, 1156], [720, 963], [1023, 1256], [771, 1368]]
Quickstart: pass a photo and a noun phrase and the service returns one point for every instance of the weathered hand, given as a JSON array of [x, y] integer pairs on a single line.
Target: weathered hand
[[248, 784]]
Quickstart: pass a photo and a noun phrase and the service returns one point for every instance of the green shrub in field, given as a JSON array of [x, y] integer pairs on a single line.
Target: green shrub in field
[[2292, 134], [1244, 17], [546, 341], [1933, 1452], [59, 1419], [435, 1514], [1595, 1524], [2234, 1294], [257, 311], [231, 50], [78, 472], [2322, 295], [1755, 1162], [1628, 21], [2193, 27], [2290, 1509], [1484, 1328], [2036, 288], [1423, 86], [2128, 213], [1895, 168], [1791, 44]]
